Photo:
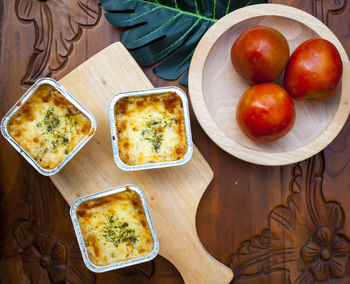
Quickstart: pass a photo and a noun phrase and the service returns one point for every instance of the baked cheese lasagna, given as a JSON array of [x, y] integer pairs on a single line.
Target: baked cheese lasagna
[[115, 228], [150, 128], [48, 126]]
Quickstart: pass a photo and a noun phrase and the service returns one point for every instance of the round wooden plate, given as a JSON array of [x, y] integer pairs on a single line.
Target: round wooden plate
[[215, 88]]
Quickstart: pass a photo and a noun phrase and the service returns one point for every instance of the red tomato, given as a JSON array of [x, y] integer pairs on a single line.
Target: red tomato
[[313, 71], [260, 54], [265, 112]]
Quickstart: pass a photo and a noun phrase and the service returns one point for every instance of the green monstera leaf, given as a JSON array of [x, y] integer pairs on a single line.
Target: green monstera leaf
[[167, 29]]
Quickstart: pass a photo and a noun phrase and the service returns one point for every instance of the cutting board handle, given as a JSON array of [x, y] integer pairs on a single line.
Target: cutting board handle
[[195, 264]]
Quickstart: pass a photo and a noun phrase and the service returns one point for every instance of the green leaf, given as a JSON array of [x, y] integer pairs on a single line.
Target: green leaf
[[167, 30]]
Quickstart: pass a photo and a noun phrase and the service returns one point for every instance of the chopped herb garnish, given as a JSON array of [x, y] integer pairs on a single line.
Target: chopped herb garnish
[[56, 129], [153, 132], [117, 232], [51, 120], [54, 144]]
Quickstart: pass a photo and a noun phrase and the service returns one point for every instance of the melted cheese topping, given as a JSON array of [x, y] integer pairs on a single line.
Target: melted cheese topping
[[115, 228], [150, 129], [48, 126]]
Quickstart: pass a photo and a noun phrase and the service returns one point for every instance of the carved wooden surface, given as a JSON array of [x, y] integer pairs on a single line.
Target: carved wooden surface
[[304, 237], [269, 224]]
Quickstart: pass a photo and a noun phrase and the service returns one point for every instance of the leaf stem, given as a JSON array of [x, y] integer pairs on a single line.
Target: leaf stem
[[228, 7], [183, 12], [179, 39]]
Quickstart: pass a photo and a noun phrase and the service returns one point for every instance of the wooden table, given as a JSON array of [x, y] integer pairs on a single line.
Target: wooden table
[[268, 224]]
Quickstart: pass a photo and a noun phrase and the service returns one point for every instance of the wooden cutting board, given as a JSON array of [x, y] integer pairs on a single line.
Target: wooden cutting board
[[172, 194]]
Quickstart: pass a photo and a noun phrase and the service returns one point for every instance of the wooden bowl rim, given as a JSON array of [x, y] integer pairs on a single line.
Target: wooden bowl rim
[[197, 65]]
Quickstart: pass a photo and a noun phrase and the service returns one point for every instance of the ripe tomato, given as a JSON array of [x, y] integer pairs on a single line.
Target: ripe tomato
[[313, 71], [260, 54], [265, 112]]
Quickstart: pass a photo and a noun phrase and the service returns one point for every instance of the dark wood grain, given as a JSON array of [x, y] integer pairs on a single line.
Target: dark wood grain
[[269, 224]]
